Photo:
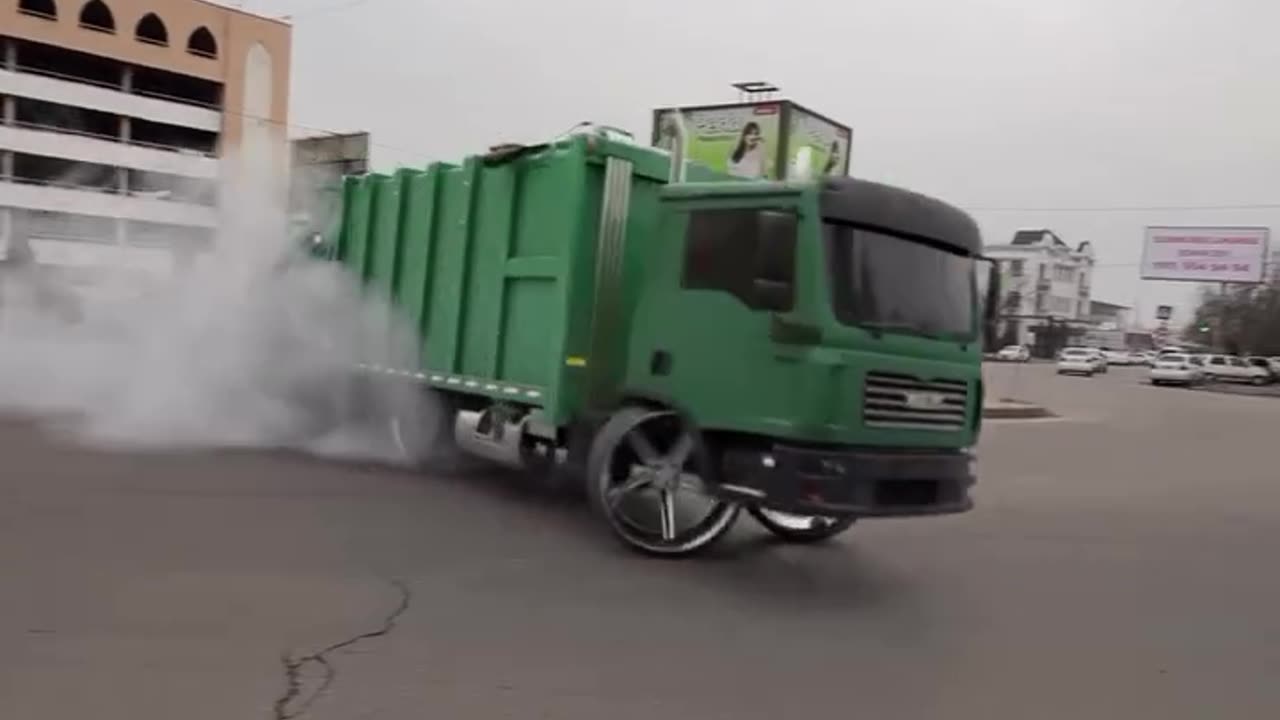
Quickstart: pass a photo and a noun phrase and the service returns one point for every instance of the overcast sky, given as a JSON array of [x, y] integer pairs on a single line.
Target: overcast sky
[[984, 103]]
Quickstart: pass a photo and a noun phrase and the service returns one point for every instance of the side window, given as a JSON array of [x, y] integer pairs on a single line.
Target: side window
[[1236, 362], [1218, 361], [748, 253]]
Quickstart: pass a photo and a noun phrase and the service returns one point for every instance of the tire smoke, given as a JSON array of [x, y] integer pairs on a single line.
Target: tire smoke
[[250, 343]]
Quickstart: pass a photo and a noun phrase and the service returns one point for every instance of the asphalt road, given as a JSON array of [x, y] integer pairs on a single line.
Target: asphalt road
[[1121, 564]]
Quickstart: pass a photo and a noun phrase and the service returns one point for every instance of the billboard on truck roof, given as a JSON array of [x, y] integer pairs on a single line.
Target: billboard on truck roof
[[759, 140], [1205, 254], [827, 141], [739, 140]]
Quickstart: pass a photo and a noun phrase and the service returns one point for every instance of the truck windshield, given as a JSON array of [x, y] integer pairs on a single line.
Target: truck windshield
[[891, 283]]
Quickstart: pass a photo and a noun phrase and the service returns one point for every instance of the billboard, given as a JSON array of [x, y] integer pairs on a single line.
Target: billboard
[[1205, 254], [828, 143], [740, 140]]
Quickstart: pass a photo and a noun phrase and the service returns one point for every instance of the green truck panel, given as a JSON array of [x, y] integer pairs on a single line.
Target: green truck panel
[[494, 263]]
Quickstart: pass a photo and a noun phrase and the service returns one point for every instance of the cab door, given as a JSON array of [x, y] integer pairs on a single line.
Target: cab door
[[704, 336]]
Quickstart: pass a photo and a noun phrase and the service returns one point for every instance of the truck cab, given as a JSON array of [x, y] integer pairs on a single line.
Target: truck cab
[[825, 339]]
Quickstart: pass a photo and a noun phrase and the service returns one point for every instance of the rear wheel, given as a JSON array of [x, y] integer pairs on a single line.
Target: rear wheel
[[1258, 381], [647, 475], [420, 423], [801, 528]]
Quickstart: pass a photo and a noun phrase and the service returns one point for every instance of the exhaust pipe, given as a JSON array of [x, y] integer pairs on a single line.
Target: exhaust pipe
[[477, 433]]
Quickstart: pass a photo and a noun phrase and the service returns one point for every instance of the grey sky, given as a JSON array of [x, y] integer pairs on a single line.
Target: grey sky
[[985, 103]]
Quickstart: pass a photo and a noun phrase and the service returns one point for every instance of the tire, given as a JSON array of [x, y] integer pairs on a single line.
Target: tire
[[800, 529], [640, 450], [420, 425], [1157, 383], [1257, 381]]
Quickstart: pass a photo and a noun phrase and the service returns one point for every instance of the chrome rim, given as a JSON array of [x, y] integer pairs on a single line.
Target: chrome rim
[[654, 488]]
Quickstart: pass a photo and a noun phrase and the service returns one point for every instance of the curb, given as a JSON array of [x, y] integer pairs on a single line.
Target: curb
[[1015, 412]]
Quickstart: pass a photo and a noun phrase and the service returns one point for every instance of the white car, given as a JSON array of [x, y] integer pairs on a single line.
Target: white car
[[1099, 360], [1229, 368], [1265, 364], [1177, 369], [1122, 357], [1014, 353], [1080, 361]]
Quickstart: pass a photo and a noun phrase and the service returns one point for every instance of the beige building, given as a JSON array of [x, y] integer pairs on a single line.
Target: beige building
[[115, 115]]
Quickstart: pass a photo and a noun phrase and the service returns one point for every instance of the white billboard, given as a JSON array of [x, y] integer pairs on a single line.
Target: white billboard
[[1205, 254]]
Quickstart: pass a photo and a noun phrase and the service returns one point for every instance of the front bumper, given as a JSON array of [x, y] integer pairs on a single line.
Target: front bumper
[[1073, 367], [861, 482], [1173, 376]]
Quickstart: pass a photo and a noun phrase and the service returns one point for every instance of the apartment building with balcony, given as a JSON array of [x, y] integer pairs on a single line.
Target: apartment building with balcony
[[115, 114], [1042, 279]]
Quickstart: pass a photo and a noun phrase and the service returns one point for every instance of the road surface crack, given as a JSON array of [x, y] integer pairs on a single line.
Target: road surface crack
[[299, 695]]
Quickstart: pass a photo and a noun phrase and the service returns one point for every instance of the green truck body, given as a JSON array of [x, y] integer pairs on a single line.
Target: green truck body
[[571, 293]]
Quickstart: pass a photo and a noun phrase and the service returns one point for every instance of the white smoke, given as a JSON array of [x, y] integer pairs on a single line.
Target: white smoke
[[251, 345]]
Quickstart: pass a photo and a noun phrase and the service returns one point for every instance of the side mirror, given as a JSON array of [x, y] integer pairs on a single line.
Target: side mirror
[[771, 295], [990, 303]]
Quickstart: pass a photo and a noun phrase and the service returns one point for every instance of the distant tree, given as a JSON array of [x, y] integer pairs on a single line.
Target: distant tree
[[1240, 319]]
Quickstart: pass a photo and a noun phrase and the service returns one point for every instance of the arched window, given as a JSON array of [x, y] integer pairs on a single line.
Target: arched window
[[151, 29], [95, 15], [40, 8], [202, 43]]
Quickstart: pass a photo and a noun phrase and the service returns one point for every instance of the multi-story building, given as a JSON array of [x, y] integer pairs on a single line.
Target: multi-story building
[[1042, 279], [115, 115]]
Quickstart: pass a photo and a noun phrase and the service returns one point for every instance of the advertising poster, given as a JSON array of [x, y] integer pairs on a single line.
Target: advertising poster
[[827, 142], [1205, 254], [741, 141]]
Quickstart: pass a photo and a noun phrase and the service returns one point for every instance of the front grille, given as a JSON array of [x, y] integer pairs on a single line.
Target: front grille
[[893, 400]]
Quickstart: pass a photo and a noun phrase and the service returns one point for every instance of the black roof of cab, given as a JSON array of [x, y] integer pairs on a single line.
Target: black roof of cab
[[900, 212]]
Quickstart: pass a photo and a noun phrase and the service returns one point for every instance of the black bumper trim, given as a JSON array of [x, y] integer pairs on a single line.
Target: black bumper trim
[[865, 482]]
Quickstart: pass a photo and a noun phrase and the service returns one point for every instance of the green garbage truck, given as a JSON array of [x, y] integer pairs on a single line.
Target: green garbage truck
[[687, 344]]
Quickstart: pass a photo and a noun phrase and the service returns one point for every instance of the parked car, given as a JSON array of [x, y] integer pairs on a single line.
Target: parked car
[[1099, 360], [1177, 369], [1265, 364], [1080, 361], [1014, 353], [1229, 368], [1124, 357], [1115, 357]]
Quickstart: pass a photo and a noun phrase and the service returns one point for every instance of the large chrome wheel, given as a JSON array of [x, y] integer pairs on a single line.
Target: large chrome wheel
[[648, 474], [801, 528]]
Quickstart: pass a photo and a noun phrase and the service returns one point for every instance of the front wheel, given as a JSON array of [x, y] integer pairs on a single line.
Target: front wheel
[[648, 475], [800, 528]]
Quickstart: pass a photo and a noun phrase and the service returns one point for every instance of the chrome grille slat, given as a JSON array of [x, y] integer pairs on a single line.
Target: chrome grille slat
[[886, 403]]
